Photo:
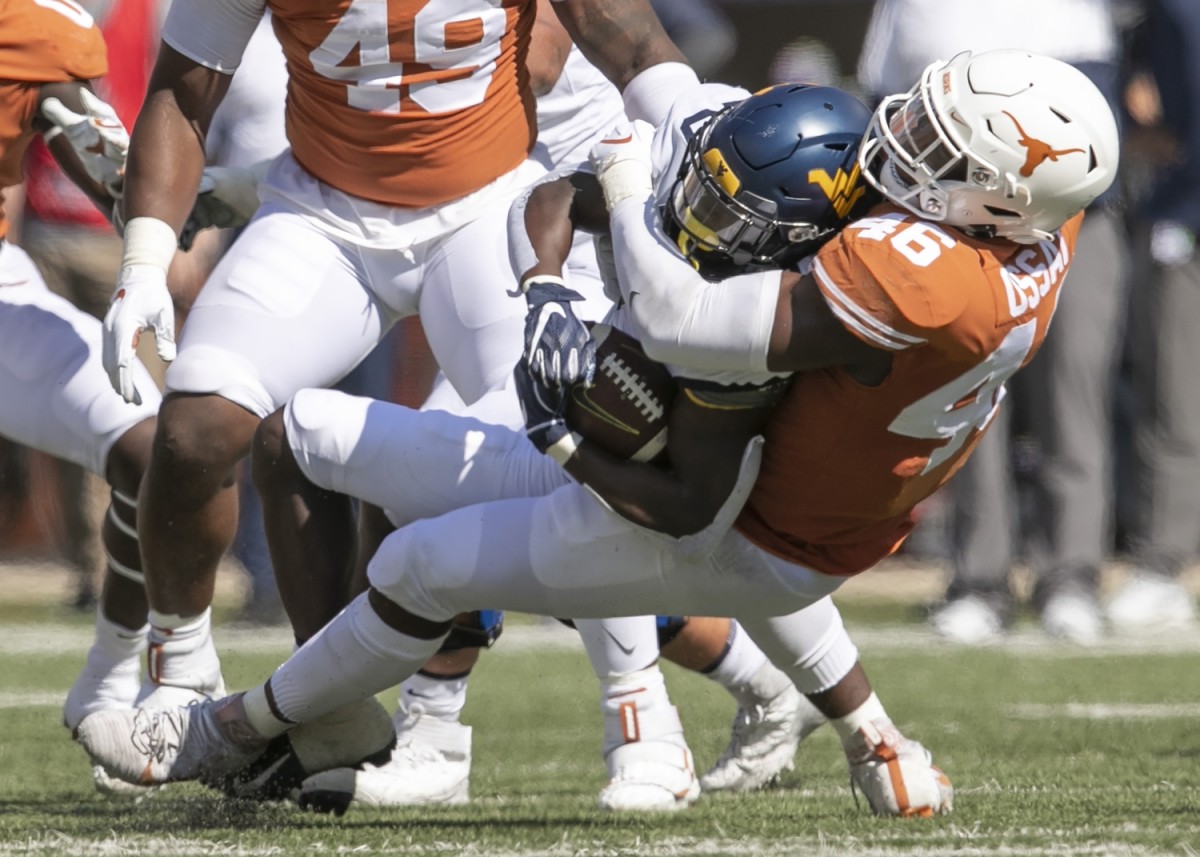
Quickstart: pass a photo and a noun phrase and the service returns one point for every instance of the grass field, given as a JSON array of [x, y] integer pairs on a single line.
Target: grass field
[[1053, 750]]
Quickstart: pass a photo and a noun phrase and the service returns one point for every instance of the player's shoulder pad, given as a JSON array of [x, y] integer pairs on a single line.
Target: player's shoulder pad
[[909, 275], [49, 42]]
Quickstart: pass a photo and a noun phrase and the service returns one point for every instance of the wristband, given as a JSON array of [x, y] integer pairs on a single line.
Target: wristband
[[149, 241], [533, 279], [624, 179], [565, 447]]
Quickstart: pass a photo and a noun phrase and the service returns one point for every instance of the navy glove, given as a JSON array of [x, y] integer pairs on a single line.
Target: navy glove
[[545, 411], [559, 349]]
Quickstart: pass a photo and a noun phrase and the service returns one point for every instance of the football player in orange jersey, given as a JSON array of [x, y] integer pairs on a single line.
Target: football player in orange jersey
[[410, 123], [58, 399], [897, 336]]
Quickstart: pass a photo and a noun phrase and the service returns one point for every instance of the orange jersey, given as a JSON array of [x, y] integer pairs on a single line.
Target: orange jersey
[[409, 102], [41, 41], [845, 464]]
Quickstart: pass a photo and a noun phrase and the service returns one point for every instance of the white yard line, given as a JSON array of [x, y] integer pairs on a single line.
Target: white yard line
[[56, 639], [955, 845]]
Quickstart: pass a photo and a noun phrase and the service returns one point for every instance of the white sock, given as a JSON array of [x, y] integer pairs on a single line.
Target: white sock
[[746, 673], [619, 647], [847, 727], [355, 656], [440, 697], [115, 643], [181, 651]]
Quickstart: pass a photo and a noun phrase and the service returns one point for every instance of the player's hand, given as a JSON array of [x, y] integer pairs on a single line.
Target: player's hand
[[141, 302], [545, 411], [558, 346], [622, 162], [226, 198], [96, 135]]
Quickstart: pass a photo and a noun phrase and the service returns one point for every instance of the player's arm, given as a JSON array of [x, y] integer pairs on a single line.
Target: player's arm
[[548, 49], [70, 129], [706, 445], [166, 154], [622, 38], [558, 347]]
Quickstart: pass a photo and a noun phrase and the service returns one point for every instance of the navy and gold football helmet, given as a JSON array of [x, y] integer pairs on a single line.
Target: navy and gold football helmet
[[768, 180]]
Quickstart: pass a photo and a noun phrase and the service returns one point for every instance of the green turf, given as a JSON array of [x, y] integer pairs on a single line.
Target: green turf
[[1029, 780]]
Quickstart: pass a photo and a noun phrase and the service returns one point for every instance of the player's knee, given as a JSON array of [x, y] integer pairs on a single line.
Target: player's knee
[[403, 569], [272, 462], [315, 430], [201, 438], [129, 457]]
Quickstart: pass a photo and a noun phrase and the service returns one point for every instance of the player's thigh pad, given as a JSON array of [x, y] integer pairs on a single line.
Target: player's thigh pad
[[565, 554], [475, 329], [413, 464], [286, 308], [57, 396]]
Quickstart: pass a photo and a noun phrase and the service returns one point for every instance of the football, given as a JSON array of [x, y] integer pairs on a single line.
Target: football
[[625, 410]]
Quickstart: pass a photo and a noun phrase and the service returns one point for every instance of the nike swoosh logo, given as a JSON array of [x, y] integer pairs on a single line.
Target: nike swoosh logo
[[14, 283], [628, 138], [626, 650]]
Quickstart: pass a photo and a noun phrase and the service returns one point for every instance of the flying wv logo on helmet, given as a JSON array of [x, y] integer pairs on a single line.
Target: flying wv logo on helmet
[[767, 180], [844, 189]]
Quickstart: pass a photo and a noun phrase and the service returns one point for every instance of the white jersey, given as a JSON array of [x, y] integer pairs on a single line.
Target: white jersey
[[248, 124]]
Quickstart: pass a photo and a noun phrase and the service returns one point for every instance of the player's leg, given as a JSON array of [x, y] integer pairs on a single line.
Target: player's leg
[[771, 718], [648, 759], [895, 774], [285, 308], [50, 363]]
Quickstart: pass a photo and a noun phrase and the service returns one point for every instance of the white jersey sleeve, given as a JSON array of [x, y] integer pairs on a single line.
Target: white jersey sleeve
[[213, 33]]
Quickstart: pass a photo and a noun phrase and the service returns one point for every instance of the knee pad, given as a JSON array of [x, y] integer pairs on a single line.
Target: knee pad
[[477, 630]]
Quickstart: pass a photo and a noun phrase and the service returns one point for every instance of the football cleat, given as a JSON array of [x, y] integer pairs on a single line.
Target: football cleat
[[1073, 616], [896, 775], [650, 769], [430, 764], [150, 746], [356, 733], [969, 620], [1150, 602], [763, 742]]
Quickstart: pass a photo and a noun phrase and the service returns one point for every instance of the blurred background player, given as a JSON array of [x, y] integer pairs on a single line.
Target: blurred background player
[[1064, 400], [1165, 534]]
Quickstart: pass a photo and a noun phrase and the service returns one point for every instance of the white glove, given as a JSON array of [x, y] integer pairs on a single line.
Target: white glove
[[140, 302], [97, 136], [622, 162]]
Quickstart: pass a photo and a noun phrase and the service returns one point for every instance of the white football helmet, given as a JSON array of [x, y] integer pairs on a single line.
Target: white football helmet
[[1004, 143]]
